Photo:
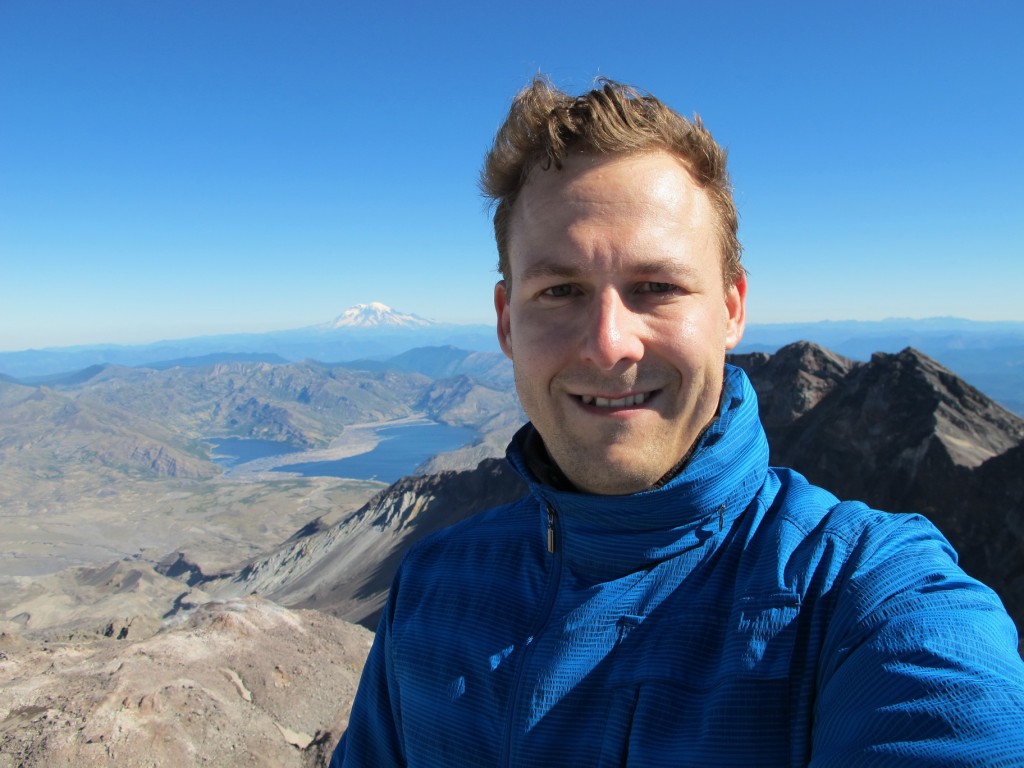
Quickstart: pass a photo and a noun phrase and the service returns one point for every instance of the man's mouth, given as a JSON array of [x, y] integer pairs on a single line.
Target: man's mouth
[[628, 401]]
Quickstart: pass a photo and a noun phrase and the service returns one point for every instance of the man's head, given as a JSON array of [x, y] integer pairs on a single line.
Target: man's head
[[614, 310], [545, 126]]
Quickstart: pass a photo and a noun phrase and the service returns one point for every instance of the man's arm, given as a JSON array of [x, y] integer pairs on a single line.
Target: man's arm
[[921, 667]]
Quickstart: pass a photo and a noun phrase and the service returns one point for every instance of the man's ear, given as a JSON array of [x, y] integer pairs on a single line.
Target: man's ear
[[736, 305], [501, 309]]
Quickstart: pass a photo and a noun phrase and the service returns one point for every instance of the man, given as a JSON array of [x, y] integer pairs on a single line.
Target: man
[[662, 596]]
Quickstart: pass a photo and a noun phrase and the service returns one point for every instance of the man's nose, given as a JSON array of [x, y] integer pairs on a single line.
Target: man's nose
[[613, 332]]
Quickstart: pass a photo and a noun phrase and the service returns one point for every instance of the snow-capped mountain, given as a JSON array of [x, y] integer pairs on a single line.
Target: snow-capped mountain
[[376, 315]]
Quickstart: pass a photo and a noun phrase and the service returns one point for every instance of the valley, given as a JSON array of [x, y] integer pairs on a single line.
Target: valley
[[117, 462]]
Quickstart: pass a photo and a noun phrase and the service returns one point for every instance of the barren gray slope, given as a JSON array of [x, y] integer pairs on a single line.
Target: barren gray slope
[[347, 569]]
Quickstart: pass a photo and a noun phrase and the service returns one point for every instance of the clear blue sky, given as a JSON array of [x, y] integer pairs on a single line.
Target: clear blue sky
[[182, 167]]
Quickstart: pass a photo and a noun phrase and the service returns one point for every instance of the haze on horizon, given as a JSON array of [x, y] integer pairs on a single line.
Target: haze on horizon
[[176, 169]]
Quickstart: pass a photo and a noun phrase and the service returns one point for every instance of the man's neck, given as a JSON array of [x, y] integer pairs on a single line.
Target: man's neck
[[544, 468]]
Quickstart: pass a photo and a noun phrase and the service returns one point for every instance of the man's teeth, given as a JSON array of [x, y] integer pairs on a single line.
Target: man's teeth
[[620, 402]]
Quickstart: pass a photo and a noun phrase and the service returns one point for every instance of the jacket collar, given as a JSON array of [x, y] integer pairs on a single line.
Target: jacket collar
[[613, 535]]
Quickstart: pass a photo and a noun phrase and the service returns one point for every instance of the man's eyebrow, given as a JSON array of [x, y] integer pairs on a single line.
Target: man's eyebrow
[[548, 269], [551, 269], [679, 267]]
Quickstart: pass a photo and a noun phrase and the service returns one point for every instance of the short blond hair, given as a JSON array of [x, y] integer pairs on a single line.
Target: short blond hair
[[545, 124]]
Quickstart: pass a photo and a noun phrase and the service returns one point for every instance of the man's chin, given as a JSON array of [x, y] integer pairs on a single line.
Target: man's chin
[[608, 477]]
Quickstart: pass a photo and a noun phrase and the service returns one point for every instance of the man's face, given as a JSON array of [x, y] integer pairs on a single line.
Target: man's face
[[616, 318]]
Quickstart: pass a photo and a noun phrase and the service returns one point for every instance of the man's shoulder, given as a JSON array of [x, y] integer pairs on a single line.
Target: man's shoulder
[[812, 531], [864, 557], [814, 511]]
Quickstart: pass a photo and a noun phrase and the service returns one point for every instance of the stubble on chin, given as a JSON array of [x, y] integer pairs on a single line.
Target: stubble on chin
[[608, 461]]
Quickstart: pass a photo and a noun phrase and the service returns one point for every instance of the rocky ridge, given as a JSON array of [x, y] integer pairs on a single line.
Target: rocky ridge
[[346, 569]]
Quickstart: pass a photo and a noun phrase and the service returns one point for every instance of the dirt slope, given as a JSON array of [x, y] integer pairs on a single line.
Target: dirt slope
[[238, 683]]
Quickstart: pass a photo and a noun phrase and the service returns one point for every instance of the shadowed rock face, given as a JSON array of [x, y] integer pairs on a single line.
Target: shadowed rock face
[[983, 516], [793, 380], [897, 432]]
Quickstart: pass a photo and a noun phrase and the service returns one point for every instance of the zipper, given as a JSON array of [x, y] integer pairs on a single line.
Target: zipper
[[542, 620]]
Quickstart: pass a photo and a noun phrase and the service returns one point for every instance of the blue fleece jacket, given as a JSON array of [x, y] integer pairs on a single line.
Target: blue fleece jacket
[[736, 616]]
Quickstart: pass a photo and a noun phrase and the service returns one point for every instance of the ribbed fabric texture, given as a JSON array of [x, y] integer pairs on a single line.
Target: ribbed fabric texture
[[737, 616]]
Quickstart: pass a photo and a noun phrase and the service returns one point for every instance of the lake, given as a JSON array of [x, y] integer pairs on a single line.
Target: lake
[[232, 451], [401, 449]]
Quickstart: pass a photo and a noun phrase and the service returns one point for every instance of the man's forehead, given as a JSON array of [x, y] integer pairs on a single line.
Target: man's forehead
[[582, 164], [653, 182]]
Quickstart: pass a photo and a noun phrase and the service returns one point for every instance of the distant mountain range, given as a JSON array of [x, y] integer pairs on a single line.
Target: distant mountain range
[[365, 331], [155, 420], [989, 355]]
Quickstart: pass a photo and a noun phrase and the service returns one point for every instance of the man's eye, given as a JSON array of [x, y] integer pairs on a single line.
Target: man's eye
[[559, 291], [656, 287]]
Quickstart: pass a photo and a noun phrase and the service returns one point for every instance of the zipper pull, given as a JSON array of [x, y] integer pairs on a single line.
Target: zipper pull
[[551, 529]]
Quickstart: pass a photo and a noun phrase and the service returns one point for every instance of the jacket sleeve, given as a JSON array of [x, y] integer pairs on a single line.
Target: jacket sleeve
[[921, 664], [373, 737]]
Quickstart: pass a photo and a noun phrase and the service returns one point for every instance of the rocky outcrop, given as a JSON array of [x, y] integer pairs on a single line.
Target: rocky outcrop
[[793, 380], [236, 683], [899, 432], [983, 516], [124, 599]]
